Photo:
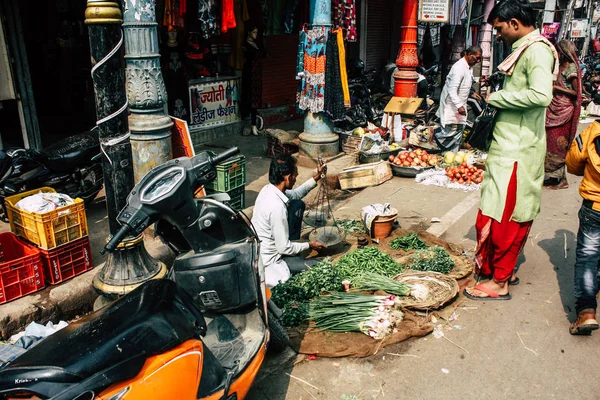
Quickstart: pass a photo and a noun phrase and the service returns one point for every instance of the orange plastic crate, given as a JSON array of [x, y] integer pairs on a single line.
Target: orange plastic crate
[[67, 261], [50, 229], [21, 271]]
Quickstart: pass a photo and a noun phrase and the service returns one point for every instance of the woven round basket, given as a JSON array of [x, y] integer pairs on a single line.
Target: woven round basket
[[442, 288], [463, 266]]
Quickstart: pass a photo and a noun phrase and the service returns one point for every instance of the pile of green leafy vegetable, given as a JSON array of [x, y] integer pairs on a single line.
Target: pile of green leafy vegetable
[[292, 296], [352, 226], [434, 259], [367, 259], [408, 242]]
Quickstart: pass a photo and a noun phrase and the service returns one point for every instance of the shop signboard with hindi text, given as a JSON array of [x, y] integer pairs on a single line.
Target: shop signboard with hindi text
[[579, 28], [550, 31], [434, 10], [215, 102]]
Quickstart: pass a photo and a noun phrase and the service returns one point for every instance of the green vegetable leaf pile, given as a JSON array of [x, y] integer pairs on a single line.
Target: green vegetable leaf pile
[[367, 259], [293, 295], [352, 226], [408, 242], [434, 259]]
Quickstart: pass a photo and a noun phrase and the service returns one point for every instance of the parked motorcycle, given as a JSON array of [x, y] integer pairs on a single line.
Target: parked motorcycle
[[201, 335], [71, 166]]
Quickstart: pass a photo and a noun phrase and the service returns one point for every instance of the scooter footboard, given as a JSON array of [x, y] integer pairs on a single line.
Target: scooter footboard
[[220, 280]]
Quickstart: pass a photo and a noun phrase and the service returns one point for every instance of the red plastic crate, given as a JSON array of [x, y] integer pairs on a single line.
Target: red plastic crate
[[67, 261], [21, 269]]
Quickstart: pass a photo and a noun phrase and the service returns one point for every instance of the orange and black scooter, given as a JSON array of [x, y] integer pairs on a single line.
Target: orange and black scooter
[[202, 334]]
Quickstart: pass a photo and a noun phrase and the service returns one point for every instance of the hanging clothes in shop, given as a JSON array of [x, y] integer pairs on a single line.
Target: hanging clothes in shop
[[276, 15], [237, 38], [300, 55], [428, 42], [209, 26], [313, 82], [174, 75], [227, 16], [290, 16], [458, 12], [334, 106], [174, 15], [344, 17], [343, 70], [252, 76]]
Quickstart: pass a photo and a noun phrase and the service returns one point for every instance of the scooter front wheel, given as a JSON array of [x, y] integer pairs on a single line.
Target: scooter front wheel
[[279, 337]]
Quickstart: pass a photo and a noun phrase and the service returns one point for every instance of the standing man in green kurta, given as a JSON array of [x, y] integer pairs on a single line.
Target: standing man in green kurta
[[512, 188]]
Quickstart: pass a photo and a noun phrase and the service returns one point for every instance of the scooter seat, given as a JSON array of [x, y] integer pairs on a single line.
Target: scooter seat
[[150, 320], [71, 152]]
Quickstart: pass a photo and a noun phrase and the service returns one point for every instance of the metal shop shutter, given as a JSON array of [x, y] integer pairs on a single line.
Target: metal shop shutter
[[379, 30], [279, 70]]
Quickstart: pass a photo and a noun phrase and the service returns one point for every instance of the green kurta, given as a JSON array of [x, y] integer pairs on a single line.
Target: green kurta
[[520, 134]]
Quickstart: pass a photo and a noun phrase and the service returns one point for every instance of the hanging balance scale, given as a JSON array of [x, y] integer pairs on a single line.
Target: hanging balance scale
[[320, 217]]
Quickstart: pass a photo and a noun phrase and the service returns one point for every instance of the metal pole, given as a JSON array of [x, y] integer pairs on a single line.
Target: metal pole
[[130, 265], [146, 93], [405, 79], [318, 138]]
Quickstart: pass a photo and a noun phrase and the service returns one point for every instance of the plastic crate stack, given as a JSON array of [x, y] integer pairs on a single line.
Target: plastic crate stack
[[21, 271], [231, 179], [61, 236]]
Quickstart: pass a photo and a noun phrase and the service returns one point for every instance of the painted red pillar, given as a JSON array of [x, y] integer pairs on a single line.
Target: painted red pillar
[[405, 80]]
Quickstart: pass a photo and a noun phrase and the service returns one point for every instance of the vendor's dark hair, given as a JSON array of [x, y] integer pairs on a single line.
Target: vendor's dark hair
[[506, 10], [473, 50], [281, 165]]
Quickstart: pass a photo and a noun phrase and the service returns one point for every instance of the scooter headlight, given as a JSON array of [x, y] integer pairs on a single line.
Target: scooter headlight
[[162, 184]]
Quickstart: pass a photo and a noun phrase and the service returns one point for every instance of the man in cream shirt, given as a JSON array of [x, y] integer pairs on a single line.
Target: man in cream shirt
[[277, 218], [453, 102]]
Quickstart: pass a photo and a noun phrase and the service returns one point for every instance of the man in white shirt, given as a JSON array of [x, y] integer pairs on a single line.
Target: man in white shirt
[[453, 101], [277, 218]]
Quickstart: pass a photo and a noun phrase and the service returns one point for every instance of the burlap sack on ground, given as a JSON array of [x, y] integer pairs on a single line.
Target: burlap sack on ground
[[355, 344]]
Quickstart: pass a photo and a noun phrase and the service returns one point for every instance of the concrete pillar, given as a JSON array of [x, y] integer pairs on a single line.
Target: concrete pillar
[[146, 93], [130, 265], [318, 138], [405, 79], [549, 11], [486, 43]]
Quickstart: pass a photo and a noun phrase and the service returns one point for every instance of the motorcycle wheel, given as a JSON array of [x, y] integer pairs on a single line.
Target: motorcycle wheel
[[279, 337]]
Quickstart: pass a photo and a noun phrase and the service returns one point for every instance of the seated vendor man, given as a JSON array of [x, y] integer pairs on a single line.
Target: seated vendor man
[[277, 218]]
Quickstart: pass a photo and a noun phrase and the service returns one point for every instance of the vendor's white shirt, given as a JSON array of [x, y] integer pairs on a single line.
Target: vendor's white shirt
[[270, 219], [455, 93]]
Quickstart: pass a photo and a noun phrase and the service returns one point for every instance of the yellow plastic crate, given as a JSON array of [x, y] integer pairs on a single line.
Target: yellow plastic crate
[[50, 229]]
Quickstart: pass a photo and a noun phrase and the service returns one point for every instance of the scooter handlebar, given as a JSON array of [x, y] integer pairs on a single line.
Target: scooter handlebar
[[225, 155], [115, 240]]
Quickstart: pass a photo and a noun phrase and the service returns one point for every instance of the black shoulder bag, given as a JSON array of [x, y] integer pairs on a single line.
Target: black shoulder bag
[[483, 129]]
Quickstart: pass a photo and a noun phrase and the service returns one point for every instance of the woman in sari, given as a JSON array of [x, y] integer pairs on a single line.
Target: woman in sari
[[562, 115]]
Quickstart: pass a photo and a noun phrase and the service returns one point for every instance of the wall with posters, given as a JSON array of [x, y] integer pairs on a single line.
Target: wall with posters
[[214, 101]]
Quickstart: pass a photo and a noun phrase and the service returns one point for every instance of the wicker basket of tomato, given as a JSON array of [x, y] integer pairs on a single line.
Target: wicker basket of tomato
[[465, 174]]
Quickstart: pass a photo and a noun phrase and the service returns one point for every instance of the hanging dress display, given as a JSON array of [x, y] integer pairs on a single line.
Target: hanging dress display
[[313, 81], [227, 16], [344, 17], [336, 95], [209, 25], [175, 11]]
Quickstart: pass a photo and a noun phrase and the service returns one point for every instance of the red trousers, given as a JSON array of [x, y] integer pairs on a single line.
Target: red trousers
[[499, 243]]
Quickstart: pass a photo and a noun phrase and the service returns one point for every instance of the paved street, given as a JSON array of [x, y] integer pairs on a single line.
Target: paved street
[[518, 349]]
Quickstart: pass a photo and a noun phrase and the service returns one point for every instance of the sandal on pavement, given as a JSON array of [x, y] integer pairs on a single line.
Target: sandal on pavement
[[491, 295], [585, 324]]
